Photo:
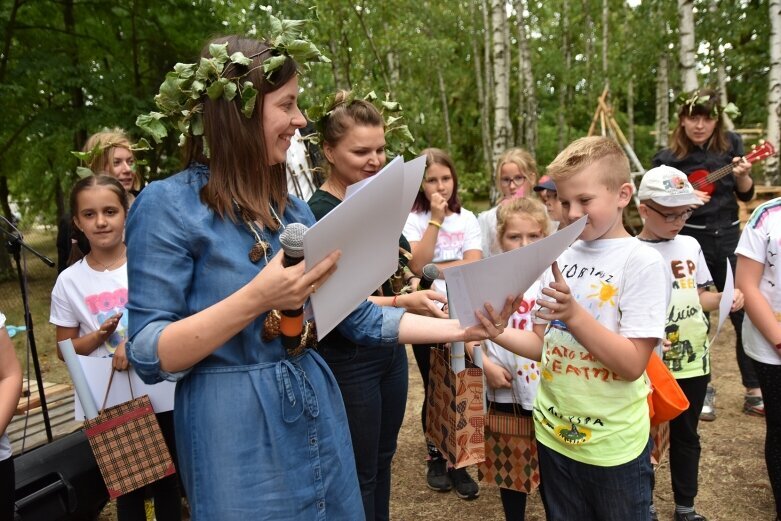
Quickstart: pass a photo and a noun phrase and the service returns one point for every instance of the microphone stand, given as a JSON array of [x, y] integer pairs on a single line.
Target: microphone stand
[[14, 244]]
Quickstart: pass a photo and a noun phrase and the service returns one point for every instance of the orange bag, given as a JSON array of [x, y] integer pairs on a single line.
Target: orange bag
[[666, 399]]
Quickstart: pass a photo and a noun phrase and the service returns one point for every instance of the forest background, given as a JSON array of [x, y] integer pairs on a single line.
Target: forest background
[[474, 77]]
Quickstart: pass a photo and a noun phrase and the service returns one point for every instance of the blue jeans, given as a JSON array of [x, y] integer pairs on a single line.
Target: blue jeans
[[373, 381], [575, 490]]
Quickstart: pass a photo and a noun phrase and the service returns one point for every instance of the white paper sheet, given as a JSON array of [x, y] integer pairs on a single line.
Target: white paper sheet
[[98, 370], [413, 178], [366, 228], [494, 279], [727, 296]]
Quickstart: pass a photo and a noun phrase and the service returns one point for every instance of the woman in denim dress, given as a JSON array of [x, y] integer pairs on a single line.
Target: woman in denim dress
[[261, 434]]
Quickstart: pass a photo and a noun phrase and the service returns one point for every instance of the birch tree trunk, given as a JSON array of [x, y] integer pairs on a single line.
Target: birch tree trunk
[[662, 102], [445, 111], [484, 97], [630, 112], [721, 73], [563, 129], [772, 173], [686, 34], [528, 96], [502, 124], [605, 20]]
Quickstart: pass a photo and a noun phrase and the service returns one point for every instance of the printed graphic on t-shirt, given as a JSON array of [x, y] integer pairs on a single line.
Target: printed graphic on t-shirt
[[105, 305], [687, 326], [449, 245]]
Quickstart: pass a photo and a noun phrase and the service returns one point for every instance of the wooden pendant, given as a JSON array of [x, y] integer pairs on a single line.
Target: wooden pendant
[[258, 251]]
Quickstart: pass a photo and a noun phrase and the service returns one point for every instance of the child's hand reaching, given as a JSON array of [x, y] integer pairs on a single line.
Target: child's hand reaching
[[119, 360], [563, 307], [737, 300]]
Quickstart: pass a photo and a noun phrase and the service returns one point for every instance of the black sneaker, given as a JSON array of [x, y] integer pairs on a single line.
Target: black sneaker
[[690, 516], [465, 486], [437, 477]]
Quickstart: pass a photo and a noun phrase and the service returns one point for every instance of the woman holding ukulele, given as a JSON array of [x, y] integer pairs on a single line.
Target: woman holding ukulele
[[700, 142]]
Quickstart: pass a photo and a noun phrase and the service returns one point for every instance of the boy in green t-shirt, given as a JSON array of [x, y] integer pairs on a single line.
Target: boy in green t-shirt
[[666, 202], [599, 317]]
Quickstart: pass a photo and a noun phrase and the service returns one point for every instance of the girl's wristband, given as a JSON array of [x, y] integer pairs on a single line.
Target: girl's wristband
[[435, 223]]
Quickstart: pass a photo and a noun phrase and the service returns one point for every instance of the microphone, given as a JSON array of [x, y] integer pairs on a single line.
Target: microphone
[[291, 323], [429, 275]]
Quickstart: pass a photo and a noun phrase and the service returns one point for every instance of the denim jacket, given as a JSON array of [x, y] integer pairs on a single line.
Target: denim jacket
[[259, 435]]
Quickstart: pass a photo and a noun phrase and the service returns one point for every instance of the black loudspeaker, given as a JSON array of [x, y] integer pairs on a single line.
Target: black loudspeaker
[[59, 481]]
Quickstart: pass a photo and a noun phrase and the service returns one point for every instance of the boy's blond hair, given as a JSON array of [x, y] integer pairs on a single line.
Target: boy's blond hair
[[531, 208], [586, 151]]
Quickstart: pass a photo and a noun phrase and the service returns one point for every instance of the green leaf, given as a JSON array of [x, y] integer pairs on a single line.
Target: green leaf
[[276, 25], [215, 90], [207, 69], [83, 156], [302, 50], [239, 58], [393, 106], [171, 95], [273, 63], [141, 145], [219, 51], [248, 96], [151, 124], [230, 90], [196, 124], [83, 172], [185, 70]]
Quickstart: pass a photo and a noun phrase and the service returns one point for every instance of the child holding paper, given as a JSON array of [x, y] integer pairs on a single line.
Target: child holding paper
[[599, 316], [666, 202], [439, 230], [88, 307], [513, 379]]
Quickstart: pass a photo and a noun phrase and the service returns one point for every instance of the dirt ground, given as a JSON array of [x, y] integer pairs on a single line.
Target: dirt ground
[[733, 478]]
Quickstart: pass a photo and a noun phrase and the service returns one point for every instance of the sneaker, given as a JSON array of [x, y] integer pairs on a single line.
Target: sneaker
[[753, 405], [708, 413], [690, 516], [465, 486], [437, 476]]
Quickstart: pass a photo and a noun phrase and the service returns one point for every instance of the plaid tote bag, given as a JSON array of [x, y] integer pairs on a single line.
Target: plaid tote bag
[[510, 452], [128, 444]]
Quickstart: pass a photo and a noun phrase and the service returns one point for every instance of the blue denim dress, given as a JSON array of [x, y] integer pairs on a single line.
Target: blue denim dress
[[260, 435]]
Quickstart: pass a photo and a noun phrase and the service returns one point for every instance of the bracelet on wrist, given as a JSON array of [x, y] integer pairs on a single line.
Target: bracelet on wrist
[[435, 223], [393, 302]]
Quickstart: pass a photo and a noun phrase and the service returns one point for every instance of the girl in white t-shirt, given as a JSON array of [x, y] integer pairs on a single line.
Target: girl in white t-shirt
[[10, 390], [442, 232], [88, 307], [512, 379], [759, 278]]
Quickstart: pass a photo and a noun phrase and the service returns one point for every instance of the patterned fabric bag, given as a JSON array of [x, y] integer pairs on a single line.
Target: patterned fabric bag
[[510, 452], [128, 444], [454, 411]]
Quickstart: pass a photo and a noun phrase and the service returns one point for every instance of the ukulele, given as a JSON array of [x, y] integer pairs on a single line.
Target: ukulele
[[704, 181]]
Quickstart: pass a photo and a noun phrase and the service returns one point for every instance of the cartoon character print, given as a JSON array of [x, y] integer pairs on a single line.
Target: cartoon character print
[[105, 305], [449, 245]]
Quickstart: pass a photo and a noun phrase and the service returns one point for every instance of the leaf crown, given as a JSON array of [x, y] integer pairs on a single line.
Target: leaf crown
[[398, 138], [89, 157], [181, 96], [691, 101]]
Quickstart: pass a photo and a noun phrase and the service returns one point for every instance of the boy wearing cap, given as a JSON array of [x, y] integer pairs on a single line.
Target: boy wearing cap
[[667, 200], [546, 189]]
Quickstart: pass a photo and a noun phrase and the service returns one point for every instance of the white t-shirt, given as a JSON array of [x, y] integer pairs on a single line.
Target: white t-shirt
[[488, 242], [526, 372], [459, 233], [583, 410], [5, 443], [85, 298], [687, 325], [761, 242]]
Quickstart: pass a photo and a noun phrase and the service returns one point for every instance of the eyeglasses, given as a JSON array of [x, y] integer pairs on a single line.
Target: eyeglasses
[[517, 180], [672, 217]]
